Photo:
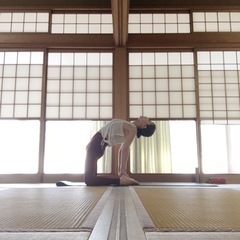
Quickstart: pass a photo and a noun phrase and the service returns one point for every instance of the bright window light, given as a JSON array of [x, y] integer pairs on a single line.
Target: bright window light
[[19, 141], [183, 146], [65, 149], [172, 149], [220, 148]]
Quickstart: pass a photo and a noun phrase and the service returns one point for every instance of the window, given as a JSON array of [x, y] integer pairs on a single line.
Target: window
[[20, 84], [65, 23], [24, 21], [65, 148], [172, 149], [159, 23], [216, 21], [79, 86], [82, 23], [19, 141], [220, 148], [162, 85], [218, 76]]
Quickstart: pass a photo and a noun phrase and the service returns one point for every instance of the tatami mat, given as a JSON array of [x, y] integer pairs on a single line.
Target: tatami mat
[[45, 236], [141, 212], [193, 236], [178, 184], [192, 209], [47, 209]]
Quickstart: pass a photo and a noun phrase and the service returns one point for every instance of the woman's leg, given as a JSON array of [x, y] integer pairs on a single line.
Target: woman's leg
[[95, 151]]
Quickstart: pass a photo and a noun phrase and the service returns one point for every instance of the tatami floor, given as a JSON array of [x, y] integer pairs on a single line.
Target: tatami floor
[[117, 214]]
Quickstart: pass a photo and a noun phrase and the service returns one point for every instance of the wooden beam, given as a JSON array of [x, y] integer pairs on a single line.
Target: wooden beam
[[45, 40], [120, 10], [105, 41], [88, 5], [144, 5], [193, 40], [125, 13], [133, 4]]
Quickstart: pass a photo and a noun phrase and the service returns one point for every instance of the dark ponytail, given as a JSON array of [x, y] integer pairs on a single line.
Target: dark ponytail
[[146, 132]]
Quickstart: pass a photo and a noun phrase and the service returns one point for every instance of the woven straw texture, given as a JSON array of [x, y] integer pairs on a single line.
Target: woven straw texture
[[192, 209], [47, 209]]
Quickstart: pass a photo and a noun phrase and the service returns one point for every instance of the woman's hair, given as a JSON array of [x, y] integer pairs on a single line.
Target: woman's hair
[[146, 132]]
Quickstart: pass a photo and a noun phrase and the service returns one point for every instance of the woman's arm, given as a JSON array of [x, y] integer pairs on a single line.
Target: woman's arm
[[123, 154]]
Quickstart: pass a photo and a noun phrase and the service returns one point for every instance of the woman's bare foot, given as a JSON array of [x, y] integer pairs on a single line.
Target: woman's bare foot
[[123, 174], [126, 181]]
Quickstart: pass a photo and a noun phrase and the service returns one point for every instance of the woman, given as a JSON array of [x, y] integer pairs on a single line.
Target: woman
[[115, 132]]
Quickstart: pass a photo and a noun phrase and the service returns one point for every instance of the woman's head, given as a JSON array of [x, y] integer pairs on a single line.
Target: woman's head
[[145, 127]]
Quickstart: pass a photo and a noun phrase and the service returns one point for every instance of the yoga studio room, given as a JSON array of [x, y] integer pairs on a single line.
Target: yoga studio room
[[120, 120]]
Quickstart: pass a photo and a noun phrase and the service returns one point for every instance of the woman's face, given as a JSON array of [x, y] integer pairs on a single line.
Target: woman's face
[[143, 122]]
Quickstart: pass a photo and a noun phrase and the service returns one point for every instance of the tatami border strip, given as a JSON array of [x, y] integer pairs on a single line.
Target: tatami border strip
[[118, 219], [144, 218], [103, 224], [92, 218], [133, 224]]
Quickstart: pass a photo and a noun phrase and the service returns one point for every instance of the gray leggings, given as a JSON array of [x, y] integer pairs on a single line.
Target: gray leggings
[[95, 151]]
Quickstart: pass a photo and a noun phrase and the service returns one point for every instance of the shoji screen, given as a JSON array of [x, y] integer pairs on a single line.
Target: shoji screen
[[219, 91], [79, 86], [162, 85]]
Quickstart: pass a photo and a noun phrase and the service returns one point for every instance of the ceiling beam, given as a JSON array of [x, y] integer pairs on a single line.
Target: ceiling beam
[[82, 5], [45, 40], [144, 5], [184, 41], [120, 11]]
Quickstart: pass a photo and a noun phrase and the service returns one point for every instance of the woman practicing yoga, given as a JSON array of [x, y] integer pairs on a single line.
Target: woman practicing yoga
[[117, 131]]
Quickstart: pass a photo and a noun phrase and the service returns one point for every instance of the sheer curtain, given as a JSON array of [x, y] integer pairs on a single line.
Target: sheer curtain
[[147, 155], [153, 154]]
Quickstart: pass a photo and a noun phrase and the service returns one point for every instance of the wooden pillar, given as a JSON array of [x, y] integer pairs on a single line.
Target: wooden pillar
[[120, 83], [120, 93]]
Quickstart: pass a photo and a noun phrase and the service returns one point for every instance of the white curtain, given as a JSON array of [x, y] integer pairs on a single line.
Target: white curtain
[[148, 155], [153, 154]]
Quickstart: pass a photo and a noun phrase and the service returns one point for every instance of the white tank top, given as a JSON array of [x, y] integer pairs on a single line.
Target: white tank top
[[112, 132]]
